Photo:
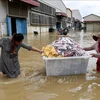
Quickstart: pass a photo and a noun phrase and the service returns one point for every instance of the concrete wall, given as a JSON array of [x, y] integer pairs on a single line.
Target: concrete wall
[[3, 13], [3, 29], [39, 29], [58, 4], [69, 13]]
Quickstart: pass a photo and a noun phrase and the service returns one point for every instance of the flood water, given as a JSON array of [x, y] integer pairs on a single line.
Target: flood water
[[33, 84]]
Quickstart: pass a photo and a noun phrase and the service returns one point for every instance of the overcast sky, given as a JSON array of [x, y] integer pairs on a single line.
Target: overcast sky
[[85, 7]]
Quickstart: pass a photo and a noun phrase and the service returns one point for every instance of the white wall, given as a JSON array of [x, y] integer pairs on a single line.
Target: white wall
[[58, 4], [39, 29], [76, 14], [3, 11], [3, 29], [69, 13]]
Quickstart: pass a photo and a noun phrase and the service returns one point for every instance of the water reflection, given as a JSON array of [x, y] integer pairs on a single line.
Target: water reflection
[[33, 84], [81, 38]]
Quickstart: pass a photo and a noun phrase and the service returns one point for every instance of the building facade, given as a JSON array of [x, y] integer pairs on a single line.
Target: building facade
[[28, 16], [69, 18], [78, 19], [3, 11], [14, 15], [92, 23], [60, 12], [41, 18]]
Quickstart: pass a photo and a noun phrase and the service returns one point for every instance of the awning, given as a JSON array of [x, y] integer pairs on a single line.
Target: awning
[[32, 2], [93, 21], [61, 14]]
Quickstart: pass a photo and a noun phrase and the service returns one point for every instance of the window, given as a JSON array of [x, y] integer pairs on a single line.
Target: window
[[17, 9], [41, 19], [34, 18], [45, 9]]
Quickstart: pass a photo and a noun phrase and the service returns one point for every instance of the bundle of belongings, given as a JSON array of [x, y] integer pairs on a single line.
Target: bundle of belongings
[[63, 47]]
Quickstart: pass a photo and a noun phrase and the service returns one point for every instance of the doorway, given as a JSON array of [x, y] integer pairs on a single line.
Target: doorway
[[16, 25], [13, 25], [58, 25]]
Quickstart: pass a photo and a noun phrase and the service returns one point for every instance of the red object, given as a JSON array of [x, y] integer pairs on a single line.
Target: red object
[[32, 2], [98, 61]]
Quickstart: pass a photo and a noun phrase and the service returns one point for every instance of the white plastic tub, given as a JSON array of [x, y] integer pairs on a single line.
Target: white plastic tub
[[66, 65]]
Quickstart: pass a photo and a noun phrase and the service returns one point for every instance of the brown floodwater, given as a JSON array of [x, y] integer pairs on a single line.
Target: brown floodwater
[[33, 84]]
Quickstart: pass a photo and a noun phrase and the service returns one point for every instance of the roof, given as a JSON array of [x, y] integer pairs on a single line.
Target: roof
[[90, 15], [92, 18], [32, 2], [93, 21]]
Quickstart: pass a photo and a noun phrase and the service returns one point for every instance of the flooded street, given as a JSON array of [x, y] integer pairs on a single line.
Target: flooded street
[[33, 84]]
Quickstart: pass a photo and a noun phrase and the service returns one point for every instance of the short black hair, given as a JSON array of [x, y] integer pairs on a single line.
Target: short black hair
[[18, 37]]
